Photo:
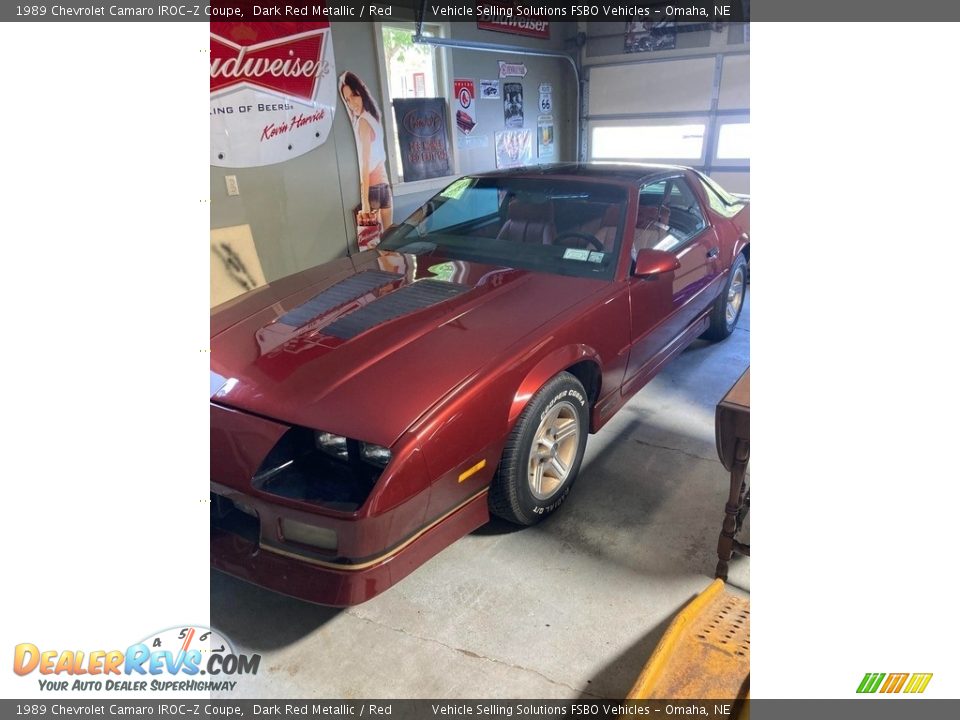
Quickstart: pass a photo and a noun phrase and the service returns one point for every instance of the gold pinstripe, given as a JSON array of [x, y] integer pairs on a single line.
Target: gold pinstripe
[[353, 567]]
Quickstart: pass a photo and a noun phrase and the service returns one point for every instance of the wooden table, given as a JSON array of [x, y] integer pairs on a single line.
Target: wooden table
[[733, 446]]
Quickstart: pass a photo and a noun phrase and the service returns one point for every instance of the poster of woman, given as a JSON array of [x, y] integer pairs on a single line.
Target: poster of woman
[[375, 212]]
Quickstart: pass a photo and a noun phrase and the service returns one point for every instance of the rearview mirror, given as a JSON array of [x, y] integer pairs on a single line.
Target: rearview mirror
[[651, 263]]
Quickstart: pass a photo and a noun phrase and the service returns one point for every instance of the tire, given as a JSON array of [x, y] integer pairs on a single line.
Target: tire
[[526, 489], [729, 304]]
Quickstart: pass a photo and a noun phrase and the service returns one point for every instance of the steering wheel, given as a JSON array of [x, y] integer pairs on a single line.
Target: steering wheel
[[572, 234]]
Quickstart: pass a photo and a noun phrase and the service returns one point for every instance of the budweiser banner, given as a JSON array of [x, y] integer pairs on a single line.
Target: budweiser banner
[[422, 130], [504, 16], [273, 91]]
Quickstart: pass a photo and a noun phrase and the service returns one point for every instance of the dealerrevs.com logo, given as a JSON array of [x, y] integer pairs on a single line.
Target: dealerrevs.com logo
[[181, 659], [909, 683]]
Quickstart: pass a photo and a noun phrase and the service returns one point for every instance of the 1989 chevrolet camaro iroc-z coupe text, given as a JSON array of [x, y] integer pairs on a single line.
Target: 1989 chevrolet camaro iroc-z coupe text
[[368, 412]]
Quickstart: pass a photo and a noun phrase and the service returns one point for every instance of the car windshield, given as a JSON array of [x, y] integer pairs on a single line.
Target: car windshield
[[565, 227]]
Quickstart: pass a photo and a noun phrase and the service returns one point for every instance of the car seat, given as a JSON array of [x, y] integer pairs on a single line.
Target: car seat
[[653, 227], [529, 223], [607, 232]]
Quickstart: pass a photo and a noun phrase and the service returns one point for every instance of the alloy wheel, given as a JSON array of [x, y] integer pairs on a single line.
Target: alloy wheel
[[734, 297], [554, 450]]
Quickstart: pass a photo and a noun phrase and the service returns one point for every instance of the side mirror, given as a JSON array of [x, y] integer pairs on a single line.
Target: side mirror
[[651, 263]]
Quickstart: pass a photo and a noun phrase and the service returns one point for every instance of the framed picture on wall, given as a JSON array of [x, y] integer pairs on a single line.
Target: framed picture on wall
[[514, 148], [423, 139], [650, 36], [545, 137], [513, 105]]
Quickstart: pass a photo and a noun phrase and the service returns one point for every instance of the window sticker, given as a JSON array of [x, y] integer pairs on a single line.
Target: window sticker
[[576, 254], [443, 271], [596, 257], [457, 188]]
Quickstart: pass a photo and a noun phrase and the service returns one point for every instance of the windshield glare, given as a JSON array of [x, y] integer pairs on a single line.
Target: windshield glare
[[542, 224]]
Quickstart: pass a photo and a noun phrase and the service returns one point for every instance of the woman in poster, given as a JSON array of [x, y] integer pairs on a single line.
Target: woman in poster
[[375, 193]]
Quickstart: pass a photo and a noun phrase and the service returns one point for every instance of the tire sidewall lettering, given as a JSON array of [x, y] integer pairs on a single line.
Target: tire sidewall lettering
[[569, 394], [546, 509]]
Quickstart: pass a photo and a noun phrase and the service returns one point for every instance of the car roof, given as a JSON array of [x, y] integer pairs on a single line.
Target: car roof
[[629, 172]]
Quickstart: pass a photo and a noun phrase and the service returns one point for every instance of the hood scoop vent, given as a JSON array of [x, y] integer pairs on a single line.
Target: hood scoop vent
[[408, 299], [337, 295]]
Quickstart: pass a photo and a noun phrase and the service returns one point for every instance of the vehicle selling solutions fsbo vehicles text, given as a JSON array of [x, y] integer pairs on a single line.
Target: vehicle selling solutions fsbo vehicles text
[[488, 11]]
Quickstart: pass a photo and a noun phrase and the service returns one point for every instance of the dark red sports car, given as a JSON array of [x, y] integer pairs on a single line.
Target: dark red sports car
[[366, 413]]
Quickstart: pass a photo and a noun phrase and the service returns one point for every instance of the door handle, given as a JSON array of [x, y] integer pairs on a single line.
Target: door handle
[[712, 253]]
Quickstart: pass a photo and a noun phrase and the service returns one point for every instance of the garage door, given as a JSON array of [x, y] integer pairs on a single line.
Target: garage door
[[690, 111]]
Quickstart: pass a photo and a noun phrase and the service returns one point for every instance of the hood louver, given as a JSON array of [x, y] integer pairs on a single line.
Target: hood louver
[[408, 299]]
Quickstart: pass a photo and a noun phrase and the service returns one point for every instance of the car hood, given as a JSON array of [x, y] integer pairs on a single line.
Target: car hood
[[364, 345]]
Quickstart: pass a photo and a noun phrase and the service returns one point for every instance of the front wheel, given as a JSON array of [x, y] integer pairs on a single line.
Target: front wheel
[[727, 307], [543, 453]]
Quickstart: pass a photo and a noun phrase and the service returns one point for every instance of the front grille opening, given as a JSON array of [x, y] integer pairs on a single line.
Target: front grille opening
[[296, 469], [228, 516]]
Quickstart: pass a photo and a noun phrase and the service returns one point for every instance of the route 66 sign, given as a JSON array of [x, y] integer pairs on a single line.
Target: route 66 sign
[[546, 102]]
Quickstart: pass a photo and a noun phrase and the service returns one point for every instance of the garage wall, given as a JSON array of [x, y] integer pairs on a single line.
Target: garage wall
[[479, 65], [704, 80], [299, 210]]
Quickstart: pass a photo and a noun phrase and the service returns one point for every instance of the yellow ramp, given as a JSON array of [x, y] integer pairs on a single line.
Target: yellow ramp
[[704, 654]]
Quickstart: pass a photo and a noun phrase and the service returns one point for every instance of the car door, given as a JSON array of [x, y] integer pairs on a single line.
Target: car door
[[670, 218]]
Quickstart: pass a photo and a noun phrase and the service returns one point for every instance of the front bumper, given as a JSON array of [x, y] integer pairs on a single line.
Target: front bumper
[[394, 532], [240, 547]]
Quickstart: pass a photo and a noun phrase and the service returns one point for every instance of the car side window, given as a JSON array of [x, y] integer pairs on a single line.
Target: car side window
[[668, 216], [652, 195], [686, 216], [652, 229]]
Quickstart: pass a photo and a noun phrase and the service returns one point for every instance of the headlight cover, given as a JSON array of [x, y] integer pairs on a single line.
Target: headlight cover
[[340, 447], [320, 467], [375, 454], [333, 445]]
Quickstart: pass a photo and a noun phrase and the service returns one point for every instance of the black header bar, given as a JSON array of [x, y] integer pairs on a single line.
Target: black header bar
[[874, 708], [681, 11]]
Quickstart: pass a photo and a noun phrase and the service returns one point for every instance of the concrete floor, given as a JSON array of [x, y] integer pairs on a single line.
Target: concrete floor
[[571, 608]]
